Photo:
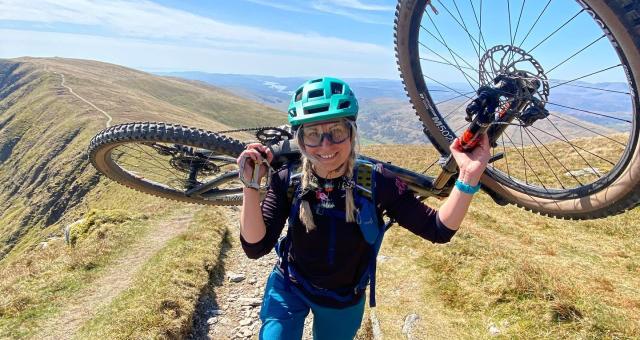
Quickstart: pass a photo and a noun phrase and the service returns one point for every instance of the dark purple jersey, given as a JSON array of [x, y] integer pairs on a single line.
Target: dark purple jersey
[[350, 252]]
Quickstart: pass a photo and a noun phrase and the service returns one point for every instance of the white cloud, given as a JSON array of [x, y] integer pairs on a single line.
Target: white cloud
[[162, 56], [327, 7], [359, 5], [352, 9], [280, 5], [147, 20]]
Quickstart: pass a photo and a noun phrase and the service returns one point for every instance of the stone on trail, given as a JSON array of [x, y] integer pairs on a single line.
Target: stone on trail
[[409, 321], [234, 277], [216, 312], [250, 301], [494, 330]]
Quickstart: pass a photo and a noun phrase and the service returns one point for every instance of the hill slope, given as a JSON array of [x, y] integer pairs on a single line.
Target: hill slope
[[45, 129]]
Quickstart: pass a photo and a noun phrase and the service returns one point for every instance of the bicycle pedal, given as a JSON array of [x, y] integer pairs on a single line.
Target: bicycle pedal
[[496, 157]]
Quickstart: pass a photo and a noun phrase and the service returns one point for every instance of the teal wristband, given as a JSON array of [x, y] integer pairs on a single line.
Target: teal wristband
[[466, 188]]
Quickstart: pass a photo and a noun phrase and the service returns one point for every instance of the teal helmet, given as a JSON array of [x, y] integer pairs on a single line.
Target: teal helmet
[[322, 99]]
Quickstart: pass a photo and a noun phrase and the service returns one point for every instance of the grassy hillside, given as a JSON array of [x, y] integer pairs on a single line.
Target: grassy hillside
[[47, 183], [511, 272], [44, 129]]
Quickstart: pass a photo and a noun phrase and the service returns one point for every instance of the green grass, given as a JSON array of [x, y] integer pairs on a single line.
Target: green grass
[[162, 299]]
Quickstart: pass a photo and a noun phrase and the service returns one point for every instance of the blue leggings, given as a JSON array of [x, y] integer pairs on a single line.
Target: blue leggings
[[283, 313]]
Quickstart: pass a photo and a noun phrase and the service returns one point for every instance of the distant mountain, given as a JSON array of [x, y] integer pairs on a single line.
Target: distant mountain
[[387, 117]]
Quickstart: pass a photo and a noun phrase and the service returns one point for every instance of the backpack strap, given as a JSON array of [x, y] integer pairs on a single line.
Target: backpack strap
[[370, 225]]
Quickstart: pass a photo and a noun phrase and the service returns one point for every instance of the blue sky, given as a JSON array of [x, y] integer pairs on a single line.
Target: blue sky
[[345, 38]]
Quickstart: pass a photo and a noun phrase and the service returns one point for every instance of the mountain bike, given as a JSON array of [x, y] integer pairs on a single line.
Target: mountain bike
[[550, 155]]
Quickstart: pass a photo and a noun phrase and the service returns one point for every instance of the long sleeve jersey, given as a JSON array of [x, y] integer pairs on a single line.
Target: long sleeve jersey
[[350, 253]]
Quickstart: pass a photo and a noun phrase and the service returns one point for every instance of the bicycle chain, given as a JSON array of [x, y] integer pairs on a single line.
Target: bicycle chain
[[249, 129]]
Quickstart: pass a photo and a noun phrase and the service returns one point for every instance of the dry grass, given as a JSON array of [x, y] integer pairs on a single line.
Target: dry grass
[[162, 299], [528, 275]]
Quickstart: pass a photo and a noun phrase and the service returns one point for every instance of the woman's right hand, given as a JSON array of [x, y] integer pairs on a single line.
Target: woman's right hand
[[251, 155]]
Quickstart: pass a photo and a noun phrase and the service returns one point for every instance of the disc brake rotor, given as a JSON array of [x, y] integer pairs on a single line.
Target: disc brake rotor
[[511, 61]]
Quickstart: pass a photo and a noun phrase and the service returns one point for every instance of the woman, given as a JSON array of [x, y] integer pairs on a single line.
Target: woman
[[325, 255]]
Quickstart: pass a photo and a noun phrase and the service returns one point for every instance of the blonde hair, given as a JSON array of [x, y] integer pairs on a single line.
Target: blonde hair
[[306, 214]]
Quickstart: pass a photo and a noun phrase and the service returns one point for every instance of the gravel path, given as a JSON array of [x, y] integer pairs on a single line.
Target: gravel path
[[232, 309]]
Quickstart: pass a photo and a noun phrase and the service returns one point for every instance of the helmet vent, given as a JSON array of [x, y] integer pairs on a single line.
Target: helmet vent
[[315, 81], [298, 95], [292, 112], [316, 93], [318, 109], [343, 105], [336, 88]]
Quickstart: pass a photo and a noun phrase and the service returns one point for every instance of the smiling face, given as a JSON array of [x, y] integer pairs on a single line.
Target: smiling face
[[329, 145]]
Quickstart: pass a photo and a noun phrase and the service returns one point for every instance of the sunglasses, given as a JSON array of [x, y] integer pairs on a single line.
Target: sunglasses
[[313, 136]]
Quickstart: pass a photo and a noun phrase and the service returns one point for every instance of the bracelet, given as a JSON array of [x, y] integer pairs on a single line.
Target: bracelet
[[466, 188]]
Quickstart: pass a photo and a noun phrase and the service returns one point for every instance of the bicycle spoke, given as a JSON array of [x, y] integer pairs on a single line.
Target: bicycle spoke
[[534, 24], [445, 63], [478, 23], [509, 21], [572, 145], [594, 132], [518, 24], [451, 53], [556, 158], [460, 93], [525, 160], [573, 55], [456, 109], [579, 154], [599, 89], [515, 34], [150, 172], [504, 151], [591, 112], [588, 75], [446, 46], [162, 165], [456, 97], [524, 166], [463, 25], [545, 159], [556, 31], [430, 166], [143, 160]]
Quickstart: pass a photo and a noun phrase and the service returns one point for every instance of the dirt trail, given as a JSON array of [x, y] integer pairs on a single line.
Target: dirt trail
[[115, 279], [232, 309], [109, 118]]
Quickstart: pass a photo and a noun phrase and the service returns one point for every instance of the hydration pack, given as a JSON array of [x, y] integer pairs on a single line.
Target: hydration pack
[[370, 222]]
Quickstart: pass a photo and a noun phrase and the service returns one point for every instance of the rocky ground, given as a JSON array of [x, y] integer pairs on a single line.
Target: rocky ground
[[232, 309]]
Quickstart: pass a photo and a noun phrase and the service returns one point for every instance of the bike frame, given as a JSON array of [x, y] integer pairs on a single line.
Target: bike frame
[[286, 152]]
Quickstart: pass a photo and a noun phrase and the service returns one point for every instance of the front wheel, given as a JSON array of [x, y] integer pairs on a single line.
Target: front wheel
[[582, 160], [169, 161]]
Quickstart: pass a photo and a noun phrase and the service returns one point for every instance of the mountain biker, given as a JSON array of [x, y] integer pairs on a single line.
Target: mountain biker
[[325, 254]]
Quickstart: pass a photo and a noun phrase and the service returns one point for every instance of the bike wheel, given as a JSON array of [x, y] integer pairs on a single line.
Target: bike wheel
[[169, 160], [582, 160]]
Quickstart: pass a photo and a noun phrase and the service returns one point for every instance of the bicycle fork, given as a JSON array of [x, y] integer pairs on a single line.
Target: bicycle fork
[[486, 121]]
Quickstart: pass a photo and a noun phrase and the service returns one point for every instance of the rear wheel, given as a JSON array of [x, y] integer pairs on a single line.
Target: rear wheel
[[582, 160], [169, 161]]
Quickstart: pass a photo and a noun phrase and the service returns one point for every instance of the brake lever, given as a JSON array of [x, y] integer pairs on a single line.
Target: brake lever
[[254, 182]]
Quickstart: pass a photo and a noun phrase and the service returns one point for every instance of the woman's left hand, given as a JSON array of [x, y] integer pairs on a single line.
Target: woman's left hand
[[471, 163]]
